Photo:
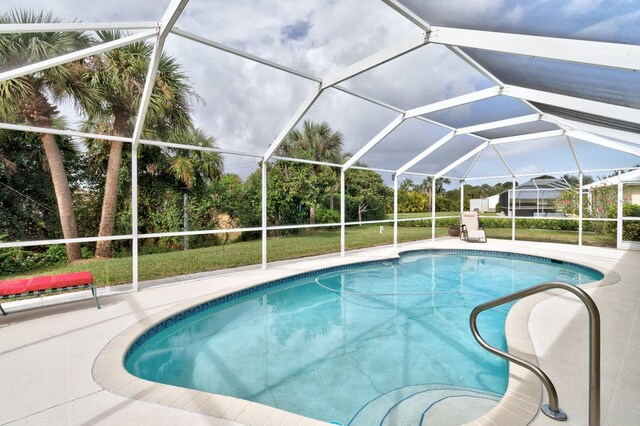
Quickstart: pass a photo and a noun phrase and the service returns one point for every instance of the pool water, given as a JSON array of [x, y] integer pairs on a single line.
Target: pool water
[[369, 344]]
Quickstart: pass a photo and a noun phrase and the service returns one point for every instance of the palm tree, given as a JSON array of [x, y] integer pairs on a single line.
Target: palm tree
[[119, 75], [184, 168], [26, 98], [426, 186], [190, 167], [316, 142]]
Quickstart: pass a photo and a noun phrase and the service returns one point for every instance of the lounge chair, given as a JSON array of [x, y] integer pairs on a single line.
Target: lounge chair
[[470, 229]]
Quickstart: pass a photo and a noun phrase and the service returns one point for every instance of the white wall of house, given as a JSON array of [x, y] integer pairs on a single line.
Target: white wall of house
[[493, 200], [480, 204], [484, 205], [634, 191]]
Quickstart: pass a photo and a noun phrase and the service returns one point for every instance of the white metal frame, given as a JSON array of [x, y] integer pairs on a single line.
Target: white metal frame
[[615, 55], [626, 57]]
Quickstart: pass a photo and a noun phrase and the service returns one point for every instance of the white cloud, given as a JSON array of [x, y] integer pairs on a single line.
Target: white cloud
[[579, 7], [94, 11], [613, 28], [457, 13]]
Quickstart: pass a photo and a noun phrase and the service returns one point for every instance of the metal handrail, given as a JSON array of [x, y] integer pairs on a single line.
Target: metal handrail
[[552, 409]]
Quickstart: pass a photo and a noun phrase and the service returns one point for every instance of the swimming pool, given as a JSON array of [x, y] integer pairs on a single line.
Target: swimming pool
[[373, 343]]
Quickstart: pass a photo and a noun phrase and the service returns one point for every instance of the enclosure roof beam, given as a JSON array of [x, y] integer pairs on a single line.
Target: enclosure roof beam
[[75, 27], [424, 154], [357, 68], [245, 55], [372, 61], [408, 14], [374, 169], [293, 121], [482, 70], [454, 102], [504, 161], [275, 65], [574, 153], [473, 164], [74, 56], [598, 140], [592, 128], [455, 49], [198, 148], [614, 55], [500, 123], [528, 137], [301, 160], [373, 142], [602, 109], [425, 26], [63, 132], [462, 159], [473, 63], [170, 16], [470, 129]]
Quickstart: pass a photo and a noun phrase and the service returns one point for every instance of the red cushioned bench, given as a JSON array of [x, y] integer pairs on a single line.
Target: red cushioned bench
[[13, 289]]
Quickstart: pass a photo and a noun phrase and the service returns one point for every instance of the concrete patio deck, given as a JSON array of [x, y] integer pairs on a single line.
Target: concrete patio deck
[[48, 354]]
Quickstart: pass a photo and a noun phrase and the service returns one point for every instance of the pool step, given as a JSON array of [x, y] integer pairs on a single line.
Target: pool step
[[426, 404]]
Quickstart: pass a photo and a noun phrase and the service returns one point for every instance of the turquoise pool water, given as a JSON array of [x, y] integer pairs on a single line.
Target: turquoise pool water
[[365, 344]]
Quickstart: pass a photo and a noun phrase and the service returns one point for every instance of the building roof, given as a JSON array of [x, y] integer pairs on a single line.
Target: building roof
[[559, 183], [632, 176]]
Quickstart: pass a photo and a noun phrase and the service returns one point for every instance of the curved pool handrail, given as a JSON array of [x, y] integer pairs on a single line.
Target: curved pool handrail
[[552, 409]]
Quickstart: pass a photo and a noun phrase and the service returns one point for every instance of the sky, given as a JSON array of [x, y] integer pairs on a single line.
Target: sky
[[245, 105]]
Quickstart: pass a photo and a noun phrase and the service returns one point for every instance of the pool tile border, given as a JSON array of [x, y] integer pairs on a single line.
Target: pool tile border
[[183, 315], [281, 281]]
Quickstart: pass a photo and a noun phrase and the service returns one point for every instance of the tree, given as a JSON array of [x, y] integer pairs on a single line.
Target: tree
[[440, 183], [193, 167], [26, 190], [316, 142], [574, 181], [27, 98], [407, 185], [366, 195], [119, 76]]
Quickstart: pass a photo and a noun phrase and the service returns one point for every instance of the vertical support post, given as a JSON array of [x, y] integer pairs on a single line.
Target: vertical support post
[[513, 210], [433, 208], [461, 196], [395, 210], [134, 215], [342, 211], [580, 211], [264, 214], [185, 219], [620, 208]]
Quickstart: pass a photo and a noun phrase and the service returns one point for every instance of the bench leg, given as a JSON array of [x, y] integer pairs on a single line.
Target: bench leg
[[3, 312], [94, 291]]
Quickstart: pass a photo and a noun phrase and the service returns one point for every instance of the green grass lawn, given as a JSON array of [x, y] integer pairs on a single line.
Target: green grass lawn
[[428, 215], [308, 243], [549, 236]]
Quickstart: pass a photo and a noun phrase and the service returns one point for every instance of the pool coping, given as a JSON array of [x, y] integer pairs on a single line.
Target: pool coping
[[519, 405], [521, 402]]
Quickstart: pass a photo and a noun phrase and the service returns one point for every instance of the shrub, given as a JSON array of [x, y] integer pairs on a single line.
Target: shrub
[[327, 216], [17, 259], [630, 229]]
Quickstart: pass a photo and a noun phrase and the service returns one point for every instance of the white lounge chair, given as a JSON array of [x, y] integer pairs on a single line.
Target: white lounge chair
[[470, 230]]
